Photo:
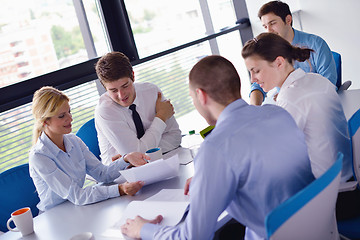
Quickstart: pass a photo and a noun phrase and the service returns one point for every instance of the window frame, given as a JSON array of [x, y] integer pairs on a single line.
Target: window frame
[[121, 38]]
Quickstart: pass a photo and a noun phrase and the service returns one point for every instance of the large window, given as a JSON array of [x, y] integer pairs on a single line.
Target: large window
[[162, 24], [48, 42], [41, 36]]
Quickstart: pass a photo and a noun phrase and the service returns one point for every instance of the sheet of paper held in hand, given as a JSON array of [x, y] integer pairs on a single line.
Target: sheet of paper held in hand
[[170, 203], [153, 172]]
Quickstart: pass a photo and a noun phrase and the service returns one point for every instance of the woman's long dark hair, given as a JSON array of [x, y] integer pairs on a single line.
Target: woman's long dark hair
[[269, 46]]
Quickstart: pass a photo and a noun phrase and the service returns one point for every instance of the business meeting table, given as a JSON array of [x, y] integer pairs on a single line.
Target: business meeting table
[[66, 220]]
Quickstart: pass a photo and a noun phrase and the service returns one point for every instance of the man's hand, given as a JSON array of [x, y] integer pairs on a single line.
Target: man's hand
[[132, 227], [187, 186], [136, 158], [164, 109], [130, 188]]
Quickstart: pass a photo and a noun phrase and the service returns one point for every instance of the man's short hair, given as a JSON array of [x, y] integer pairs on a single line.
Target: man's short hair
[[113, 66], [279, 8], [218, 77]]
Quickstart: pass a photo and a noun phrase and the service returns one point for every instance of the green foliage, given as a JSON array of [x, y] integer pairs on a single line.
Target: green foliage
[[66, 43]]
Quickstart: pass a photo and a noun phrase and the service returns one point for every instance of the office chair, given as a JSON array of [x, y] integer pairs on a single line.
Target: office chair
[[88, 134], [17, 191], [339, 85], [350, 228], [353, 125], [309, 214]]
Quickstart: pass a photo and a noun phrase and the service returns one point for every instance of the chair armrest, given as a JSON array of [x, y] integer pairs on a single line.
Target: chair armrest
[[344, 86], [348, 186]]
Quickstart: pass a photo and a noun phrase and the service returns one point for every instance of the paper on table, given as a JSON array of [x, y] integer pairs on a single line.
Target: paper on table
[[172, 213], [170, 195], [154, 171]]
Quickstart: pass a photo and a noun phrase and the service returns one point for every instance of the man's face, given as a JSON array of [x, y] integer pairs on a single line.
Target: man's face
[[121, 91], [274, 24], [204, 112]]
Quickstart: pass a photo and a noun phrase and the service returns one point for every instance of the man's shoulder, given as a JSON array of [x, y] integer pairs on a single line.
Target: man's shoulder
[[105, 102], [308, 39], [145, 86]]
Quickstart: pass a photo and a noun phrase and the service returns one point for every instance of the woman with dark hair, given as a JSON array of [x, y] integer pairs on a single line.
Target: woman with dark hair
[[312, 101], [309, 97]]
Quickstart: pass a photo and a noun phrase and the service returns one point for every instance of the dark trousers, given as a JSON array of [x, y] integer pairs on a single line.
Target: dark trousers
[[348, 205], [231, 230]]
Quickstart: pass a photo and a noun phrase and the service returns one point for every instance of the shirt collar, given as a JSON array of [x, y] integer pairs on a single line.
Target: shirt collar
[[296, 36], [136, 101], [52, 146], [239, 103], [293, 76]]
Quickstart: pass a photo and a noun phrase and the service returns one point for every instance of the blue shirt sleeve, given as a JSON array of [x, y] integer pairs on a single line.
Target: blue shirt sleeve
[[208, 199], [321, 60]]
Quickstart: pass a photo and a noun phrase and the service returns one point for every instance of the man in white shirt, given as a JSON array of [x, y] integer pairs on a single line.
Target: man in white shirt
[[114, 120]]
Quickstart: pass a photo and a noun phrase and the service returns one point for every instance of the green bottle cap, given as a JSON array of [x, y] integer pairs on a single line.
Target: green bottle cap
[[191, 132]]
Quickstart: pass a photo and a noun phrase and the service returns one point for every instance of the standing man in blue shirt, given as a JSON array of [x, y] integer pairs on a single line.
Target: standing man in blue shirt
[[234, 171], [276, 18]]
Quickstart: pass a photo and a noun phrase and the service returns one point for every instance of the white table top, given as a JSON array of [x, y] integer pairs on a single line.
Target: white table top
[[66, 220], [350, 100]]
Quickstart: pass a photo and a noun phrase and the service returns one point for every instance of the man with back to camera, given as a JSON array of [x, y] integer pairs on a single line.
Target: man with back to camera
[[236, 171], [277, 18], [117, 130]]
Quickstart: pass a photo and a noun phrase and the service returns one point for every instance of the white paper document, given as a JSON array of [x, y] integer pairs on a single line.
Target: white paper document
[[172, 213], [153, 172], [170, 195]]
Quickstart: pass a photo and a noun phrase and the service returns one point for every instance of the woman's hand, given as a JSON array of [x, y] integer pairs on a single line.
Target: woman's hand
[[116, 157], [130, 188], [136, 158]]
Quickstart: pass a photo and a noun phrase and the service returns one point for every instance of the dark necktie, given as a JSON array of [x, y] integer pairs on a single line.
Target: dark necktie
[[137, 120]]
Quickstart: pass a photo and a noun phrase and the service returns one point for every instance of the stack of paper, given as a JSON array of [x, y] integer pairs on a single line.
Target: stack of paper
[[170, 203], [153, 172]]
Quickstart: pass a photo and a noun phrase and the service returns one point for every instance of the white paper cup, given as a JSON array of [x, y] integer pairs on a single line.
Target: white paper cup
[[23, 221], [154, 154]]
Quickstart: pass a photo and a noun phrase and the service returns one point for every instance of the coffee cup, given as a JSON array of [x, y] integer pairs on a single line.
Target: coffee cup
[[23, 221], [154, 154]]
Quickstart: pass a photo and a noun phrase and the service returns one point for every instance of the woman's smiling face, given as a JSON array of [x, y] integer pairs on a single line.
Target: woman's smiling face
[[264, 73]]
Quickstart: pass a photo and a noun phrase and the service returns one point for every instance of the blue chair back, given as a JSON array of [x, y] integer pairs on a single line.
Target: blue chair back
[[354, 125], [350, 227], [88, 134], [17, 190], [337, 58], [309, 214]]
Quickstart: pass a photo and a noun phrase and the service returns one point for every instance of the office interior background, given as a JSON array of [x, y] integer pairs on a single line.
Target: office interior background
[[57, 43]]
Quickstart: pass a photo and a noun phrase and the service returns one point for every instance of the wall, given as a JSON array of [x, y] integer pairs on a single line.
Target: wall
[[333, 20]]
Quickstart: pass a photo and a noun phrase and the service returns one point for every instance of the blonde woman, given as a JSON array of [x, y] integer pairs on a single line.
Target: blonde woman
[[59, 160]]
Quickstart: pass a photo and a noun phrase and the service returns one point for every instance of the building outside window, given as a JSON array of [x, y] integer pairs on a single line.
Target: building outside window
[[44, 36]]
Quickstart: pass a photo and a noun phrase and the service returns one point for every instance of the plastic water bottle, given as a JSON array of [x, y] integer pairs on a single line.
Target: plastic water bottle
[[192, 141]]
